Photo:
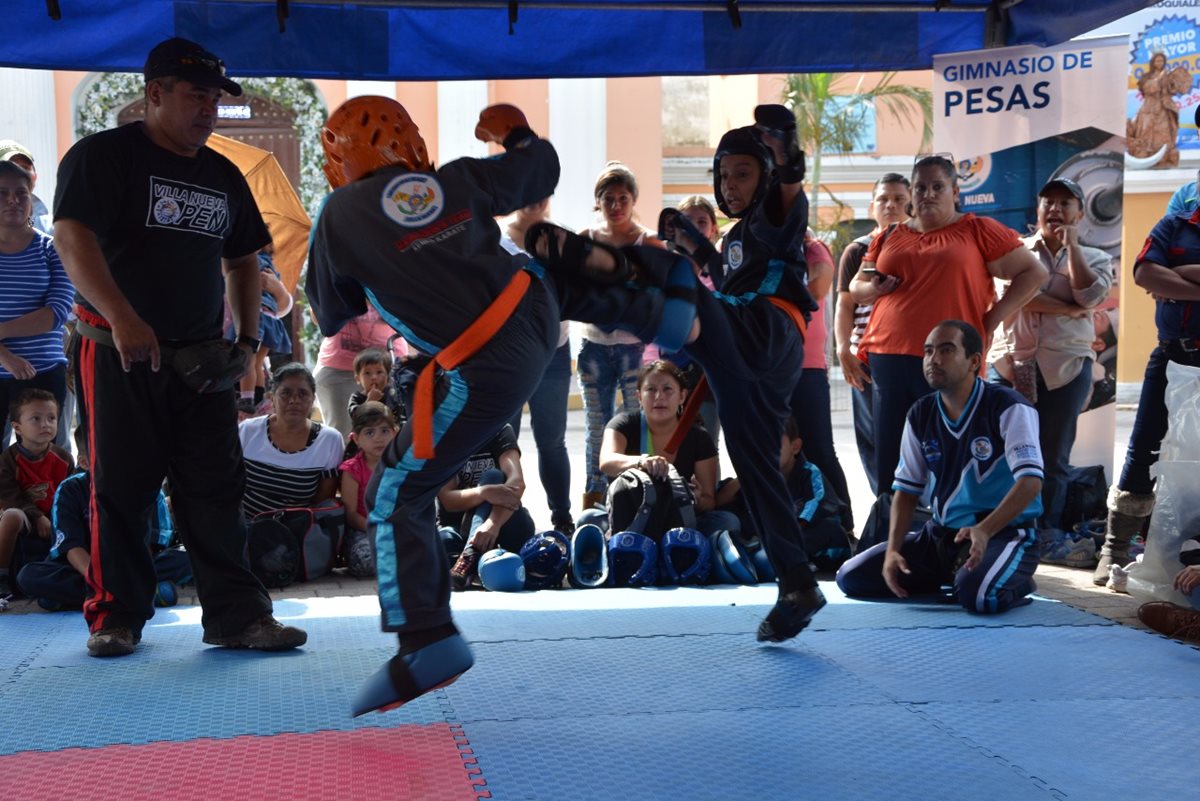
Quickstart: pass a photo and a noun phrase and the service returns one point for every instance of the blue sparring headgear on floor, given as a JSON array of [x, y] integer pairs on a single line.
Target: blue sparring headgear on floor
[[589, 558], [632, 560], [762, 565], [736, 561], [546, 557], [686, 556], [743, 142], [644, 505], [719, 574], [501, 571]]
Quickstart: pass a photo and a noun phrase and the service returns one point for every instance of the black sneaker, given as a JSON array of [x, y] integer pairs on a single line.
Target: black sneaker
[[465, 568], [790, 615], [115, 641], [564, 525], [6, 587], [264, 634]]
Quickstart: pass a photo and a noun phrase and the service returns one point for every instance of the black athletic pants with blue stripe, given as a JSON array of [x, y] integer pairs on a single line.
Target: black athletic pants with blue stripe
[[473, 402]]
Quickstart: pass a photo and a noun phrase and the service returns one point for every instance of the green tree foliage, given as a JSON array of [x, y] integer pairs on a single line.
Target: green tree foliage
[[829, 121]]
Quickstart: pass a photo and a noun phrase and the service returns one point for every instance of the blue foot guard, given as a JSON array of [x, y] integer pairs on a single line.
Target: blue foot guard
[[406, 677]]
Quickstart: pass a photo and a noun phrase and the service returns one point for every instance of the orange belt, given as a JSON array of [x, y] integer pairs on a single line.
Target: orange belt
[[791, 311], [464, 347]]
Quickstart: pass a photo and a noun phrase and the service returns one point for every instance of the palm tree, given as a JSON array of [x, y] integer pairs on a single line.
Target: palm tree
[[830, 122]]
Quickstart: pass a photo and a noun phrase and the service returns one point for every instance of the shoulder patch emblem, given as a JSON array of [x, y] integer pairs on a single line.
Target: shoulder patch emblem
[[735, 255]]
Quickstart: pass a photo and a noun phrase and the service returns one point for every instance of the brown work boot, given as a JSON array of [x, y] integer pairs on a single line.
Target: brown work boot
[[115, 641], [264, 634], [465, 568], [1172, 620], [1127, 513]]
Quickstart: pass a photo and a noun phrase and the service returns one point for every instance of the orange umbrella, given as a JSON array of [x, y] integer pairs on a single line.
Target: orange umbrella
[[281, 209]]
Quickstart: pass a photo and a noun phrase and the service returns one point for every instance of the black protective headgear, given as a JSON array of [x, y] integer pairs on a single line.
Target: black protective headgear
[[743, 142]]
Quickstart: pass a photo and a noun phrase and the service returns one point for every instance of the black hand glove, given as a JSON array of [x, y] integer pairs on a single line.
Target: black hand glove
[[779, 122]]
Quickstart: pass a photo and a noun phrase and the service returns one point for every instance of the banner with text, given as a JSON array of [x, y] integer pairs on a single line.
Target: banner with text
[[1015, 118]]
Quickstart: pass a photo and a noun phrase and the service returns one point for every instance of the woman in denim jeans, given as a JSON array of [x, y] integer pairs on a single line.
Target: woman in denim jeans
[[610, 359]]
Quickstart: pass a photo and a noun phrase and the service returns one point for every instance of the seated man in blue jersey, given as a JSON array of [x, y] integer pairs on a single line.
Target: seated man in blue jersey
[[976, 444]]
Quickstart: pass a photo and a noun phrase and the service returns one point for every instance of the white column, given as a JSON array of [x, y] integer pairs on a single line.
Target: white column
[[360, 88], [28, 115], [459, 104], [578, 129]]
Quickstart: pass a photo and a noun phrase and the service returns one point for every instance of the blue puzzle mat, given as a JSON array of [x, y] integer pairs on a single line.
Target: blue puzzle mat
[[639, 694]]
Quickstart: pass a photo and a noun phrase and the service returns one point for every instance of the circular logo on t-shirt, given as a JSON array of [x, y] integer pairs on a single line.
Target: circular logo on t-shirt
[[167, 211], [981, 448], [413, 199], [735, 255]]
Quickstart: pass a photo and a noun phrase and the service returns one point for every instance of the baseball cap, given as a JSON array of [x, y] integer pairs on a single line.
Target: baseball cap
[[180, 58], [11, 147], [1064, 183]]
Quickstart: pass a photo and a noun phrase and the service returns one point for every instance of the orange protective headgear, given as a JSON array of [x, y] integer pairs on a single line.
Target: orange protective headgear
[[366, 133]]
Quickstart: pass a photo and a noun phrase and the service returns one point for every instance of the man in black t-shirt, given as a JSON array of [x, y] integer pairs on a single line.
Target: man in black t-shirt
[[146, 221]]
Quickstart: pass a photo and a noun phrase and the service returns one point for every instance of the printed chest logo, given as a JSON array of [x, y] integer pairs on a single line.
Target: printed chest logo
[[931, 449], [189, 208], [413, 199], [735, 255], [981, 448]]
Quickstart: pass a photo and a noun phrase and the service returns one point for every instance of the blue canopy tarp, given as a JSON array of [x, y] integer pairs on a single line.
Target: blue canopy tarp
[[436, 39]]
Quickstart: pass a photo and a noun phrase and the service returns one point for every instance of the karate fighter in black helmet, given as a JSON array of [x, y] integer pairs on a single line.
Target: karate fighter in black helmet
[[420, 245], [751, 342]]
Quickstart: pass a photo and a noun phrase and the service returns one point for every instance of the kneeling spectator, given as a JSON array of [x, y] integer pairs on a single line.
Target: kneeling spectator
[[372, 427], [639, 440], [818, 507], [483, 502], [60, 580], [30, 472], [291, 460], [978, 443]]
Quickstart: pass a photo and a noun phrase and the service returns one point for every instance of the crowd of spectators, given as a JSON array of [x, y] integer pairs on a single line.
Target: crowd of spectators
[[1030, 298]]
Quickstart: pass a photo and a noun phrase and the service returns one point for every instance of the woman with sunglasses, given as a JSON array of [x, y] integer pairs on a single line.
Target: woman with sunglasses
[[938, 265]]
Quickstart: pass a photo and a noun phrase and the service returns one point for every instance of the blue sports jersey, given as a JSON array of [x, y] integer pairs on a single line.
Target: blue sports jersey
[[971, 463]]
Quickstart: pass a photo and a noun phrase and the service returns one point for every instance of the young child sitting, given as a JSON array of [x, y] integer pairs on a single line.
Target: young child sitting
[[373, 428], [30, 472], [818, 506], [272, 333], [372, 372], [59, 581]]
